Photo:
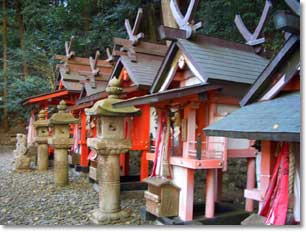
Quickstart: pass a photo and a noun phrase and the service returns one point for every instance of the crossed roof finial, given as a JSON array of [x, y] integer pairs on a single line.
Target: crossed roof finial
[[133, 34], [185, 22], [69, 53], [295, 6], [93, 63], [252, 38]]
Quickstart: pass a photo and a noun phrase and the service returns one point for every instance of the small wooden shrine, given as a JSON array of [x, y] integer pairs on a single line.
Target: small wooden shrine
[[270, 114], [136, 67], [200, 81]]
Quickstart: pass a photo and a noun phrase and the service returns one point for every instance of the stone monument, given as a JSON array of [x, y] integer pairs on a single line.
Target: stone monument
[[61, 142], [22, 160], [41, 140], [109, 144]]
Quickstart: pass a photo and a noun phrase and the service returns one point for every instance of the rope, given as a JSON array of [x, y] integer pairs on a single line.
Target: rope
[[291, 173]]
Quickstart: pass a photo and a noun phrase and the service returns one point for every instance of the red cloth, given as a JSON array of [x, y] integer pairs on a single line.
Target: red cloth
[[276, 198]]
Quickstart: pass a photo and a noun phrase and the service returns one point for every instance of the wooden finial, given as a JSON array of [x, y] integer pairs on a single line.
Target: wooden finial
[[69, 53], [252, 39], [134, 36], [109, 54], [185, 22], [295, 6], [93, 64]]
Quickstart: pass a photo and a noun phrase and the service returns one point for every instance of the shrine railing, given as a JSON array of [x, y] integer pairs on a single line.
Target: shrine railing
[[207, 150]]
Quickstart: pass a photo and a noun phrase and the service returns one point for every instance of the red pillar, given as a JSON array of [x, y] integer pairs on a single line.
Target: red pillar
[[84, 148], [124, 163], [210, 193], [144, 166], [251, 179]]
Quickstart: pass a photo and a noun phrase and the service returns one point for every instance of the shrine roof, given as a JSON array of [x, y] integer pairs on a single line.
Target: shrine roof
[[216, 59], [287, 59], [277, 120], [167, 95], [47, 96]]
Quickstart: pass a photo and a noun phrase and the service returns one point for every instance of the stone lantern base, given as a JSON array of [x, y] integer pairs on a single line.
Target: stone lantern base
[[97, 216]]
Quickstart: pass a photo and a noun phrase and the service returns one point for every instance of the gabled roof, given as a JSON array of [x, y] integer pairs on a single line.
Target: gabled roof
[[71, 81], [277, 120], [142, 71], [289, 50], [215, 59]]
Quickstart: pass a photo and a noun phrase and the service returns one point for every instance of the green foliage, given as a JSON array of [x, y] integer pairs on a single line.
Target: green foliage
[[94, 23]]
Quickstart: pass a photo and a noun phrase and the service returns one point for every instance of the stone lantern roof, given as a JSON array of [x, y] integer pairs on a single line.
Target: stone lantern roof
[[62, 117], [105, 107], [41, 122]]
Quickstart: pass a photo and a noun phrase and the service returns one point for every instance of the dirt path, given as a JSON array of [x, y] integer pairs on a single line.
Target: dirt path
[[30, 198]]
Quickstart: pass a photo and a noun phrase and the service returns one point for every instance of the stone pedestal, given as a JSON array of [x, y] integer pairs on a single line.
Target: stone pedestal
[[61, 142], [109, 210], [109, 144], [41, 140], [42, 157], [22, 161]]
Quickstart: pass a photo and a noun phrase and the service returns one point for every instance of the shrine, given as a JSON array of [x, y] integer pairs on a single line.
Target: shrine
[[136, 67], [270, 114], [200, 81]]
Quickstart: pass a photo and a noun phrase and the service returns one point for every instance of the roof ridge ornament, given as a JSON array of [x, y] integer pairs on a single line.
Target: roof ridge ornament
[[252, 38], [93, 63], [295, 6], [133, 34], [109, 54], [185, 22], [68, 44]]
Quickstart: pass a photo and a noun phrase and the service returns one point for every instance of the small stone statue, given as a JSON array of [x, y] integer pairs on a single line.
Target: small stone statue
[[22, 161]]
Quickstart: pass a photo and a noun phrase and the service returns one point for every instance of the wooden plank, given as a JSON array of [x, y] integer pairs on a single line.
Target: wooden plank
[[48, 96], [83, 61], [264, 78], [142, 47], [169, 33]]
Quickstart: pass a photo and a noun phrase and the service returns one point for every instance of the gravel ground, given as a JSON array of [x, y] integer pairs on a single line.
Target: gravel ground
[[31, 198]]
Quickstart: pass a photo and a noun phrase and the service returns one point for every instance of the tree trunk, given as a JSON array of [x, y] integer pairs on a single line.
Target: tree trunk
[[5, 67], [21, 31], [168, 19], [151, 28]]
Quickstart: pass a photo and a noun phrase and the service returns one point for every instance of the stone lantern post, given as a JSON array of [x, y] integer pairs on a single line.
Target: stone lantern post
[[109, 144], [61, 142], [41, 126]]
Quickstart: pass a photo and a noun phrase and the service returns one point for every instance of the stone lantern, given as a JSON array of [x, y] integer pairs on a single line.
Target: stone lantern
[[109, 144], [41, 126], [61, 142]]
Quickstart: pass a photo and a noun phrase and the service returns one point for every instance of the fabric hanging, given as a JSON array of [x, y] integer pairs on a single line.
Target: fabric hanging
[[275, 204]]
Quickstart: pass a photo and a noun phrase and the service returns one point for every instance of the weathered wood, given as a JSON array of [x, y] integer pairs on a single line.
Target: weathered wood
[[169, 33], [295, 6], [252, 38], [143, 47], [133, 34], [185, 22], [69, 53]]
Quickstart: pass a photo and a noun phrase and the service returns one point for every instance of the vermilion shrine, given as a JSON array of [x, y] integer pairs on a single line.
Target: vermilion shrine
[[194, 88]]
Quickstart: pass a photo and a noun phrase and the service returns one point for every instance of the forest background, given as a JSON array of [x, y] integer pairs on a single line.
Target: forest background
[[32, 32]]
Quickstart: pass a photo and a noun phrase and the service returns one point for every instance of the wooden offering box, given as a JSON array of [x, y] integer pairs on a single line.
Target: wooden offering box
[[162, 197]]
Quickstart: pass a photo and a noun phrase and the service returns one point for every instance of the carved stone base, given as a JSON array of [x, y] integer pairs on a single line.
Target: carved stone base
[[97, 216], [22, 163]]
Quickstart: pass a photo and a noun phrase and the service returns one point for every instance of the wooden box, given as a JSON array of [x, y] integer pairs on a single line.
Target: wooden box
[[162, 197]]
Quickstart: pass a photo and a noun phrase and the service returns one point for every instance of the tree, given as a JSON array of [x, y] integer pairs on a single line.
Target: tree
[[5, 119]]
